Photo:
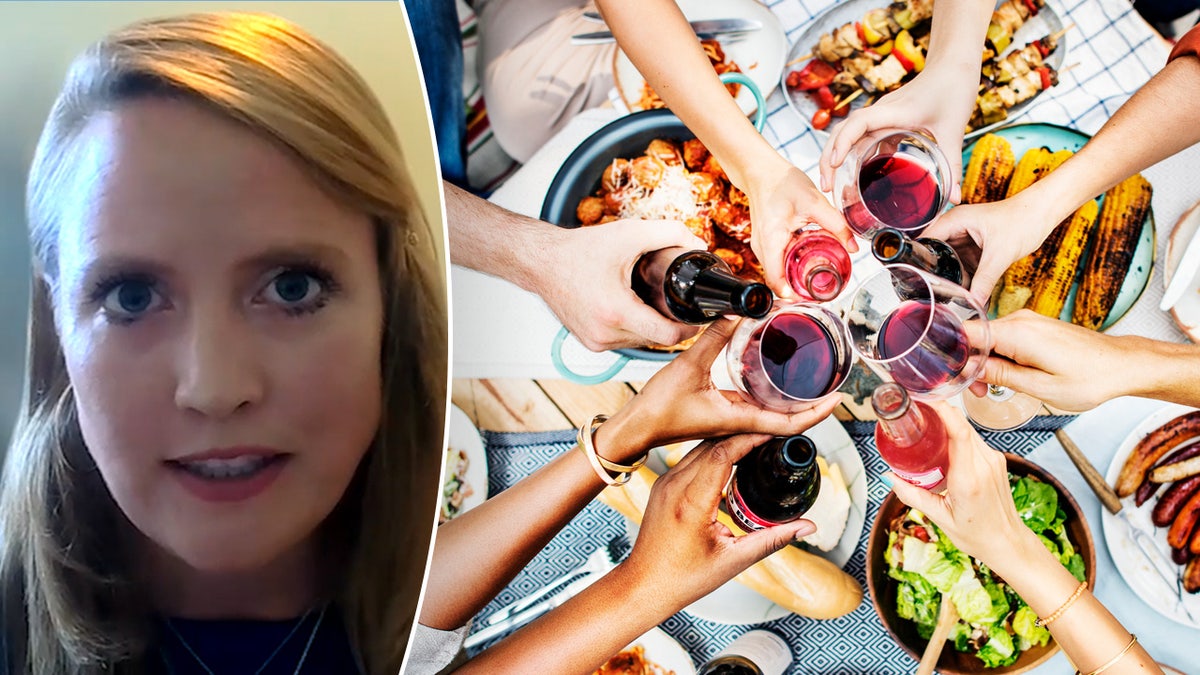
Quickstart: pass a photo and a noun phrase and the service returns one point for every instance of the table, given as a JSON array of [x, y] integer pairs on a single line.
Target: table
[[505, 379]]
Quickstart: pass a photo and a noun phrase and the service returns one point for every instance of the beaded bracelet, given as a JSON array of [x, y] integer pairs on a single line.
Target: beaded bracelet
[[1113, 660], [604, 468], [1065, 606]]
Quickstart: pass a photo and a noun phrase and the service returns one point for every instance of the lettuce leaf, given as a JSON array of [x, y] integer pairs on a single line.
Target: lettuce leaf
[[999, 649], [1025, 628], [1037, 503]]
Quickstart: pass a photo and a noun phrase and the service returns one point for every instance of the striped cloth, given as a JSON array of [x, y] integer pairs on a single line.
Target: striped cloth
[[855, 643]]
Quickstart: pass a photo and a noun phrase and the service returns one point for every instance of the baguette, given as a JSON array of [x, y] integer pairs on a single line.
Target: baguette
[[796, 580]]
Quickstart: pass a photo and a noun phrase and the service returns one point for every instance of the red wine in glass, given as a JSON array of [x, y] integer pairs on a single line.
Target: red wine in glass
[[777, 482], [793, 355], [911, 437], [928, 343], [816, 264], [895, 190]]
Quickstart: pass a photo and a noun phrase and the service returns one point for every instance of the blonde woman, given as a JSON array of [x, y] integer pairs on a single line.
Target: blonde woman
[[226, 459]]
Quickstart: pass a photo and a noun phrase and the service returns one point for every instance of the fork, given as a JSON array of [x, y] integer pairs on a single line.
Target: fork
[[603, 559]]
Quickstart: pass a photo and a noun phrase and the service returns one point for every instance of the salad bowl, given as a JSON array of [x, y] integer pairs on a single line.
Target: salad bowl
[[1032, 503]]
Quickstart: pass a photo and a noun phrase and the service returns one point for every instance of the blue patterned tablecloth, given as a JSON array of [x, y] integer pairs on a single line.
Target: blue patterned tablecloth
[[856, 643]]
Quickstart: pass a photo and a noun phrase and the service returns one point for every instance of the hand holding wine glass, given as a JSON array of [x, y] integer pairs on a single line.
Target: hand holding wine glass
[[1068, 366], [681, 403], [931, 337]]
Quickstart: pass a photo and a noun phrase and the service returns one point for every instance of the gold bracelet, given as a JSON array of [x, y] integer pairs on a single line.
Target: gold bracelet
[[1065, 606], [1113, 661], [603, 467]]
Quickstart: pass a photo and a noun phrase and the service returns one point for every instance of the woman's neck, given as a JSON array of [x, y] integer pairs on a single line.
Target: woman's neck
[[283, 589]]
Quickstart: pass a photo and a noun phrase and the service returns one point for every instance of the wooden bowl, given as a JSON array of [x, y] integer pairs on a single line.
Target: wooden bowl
[[904, 632]]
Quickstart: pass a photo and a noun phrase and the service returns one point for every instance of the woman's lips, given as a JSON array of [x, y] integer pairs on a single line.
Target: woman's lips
[[228, 475]]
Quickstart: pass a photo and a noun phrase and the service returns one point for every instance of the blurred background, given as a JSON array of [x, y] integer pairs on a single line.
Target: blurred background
[[38, 40]]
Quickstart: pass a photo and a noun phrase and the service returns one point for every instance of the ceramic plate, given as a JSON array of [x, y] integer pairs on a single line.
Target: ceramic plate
[[758, 54], [662, 650], [464, 436], [1026, 136], [734, 603], [1130, 563], [1045, 23], [1186, 311]]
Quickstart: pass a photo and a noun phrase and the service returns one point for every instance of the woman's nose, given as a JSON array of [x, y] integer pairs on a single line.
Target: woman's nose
[[219, 371]]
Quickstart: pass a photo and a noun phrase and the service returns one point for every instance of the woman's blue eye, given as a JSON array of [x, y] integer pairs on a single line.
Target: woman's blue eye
[[128, 299], [294, 288]]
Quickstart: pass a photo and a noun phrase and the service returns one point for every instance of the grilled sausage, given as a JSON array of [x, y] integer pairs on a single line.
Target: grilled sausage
[[1153, 447]]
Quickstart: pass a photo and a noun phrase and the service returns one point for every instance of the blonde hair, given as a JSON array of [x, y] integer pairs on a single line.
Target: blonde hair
[[70, 603]]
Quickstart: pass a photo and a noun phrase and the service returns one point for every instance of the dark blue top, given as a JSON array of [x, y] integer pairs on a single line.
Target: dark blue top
[[242, 647]]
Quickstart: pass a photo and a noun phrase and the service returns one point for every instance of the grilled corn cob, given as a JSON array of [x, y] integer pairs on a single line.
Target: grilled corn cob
[[989, 170], [1022, 277], [1053, 287], [1121, 216], [1033, 165]]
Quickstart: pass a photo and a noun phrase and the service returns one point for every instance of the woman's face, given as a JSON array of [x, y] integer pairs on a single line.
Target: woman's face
[[221, 319]]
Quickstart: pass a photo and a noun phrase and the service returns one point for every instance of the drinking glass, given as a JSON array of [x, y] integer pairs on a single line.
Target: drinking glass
[[796, 354], [930, 336], [896, 178]]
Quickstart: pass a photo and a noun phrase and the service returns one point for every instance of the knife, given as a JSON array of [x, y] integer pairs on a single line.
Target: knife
[[1111, 502], [705, 30], [1185, 271], [521, 618]]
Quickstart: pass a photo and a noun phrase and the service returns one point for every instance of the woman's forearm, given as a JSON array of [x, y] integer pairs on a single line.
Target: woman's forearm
[[478, 553], [1088, 633], [956, 35], [1167, 371], [1159, 120], [583, 633]]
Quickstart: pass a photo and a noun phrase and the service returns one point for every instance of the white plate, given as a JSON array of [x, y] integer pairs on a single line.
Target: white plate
[[1186, 311], [662, 650], [758, 54], [1045, 23], [734, 603], [1130, 562], [464, 436]]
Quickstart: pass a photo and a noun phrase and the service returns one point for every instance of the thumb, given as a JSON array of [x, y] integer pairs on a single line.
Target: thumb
[[757, 545], [918, 498], [646, 323], [986, 276], [654, 235]]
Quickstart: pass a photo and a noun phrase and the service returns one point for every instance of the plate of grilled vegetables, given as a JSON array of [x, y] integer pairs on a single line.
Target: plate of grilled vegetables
[[857, 51], [1156, 473], [1093, 266]]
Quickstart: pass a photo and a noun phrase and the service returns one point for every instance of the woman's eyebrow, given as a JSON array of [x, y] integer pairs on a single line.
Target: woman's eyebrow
[[107, 265], [294, 254]]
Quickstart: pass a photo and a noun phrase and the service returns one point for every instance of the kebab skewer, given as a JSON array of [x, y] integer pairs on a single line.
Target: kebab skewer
[[871, 36]]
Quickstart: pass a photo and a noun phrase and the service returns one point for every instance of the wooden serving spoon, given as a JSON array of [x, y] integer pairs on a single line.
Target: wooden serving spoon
[[947, 617]]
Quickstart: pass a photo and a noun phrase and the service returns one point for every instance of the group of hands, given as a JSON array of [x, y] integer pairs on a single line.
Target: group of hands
[[683, 551], [681, 402], [591, 291]]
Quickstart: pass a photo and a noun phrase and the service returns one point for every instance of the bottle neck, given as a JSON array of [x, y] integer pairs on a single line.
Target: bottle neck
[[717, 291], [891, 246], [901, 419]]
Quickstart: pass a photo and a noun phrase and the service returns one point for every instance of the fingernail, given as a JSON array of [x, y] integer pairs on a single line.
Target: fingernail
[[886, 481], [805, 530]]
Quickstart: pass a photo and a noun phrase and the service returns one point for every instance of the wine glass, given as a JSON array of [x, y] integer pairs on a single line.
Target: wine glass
[[794, 355], [931, 337], [895, 178]]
